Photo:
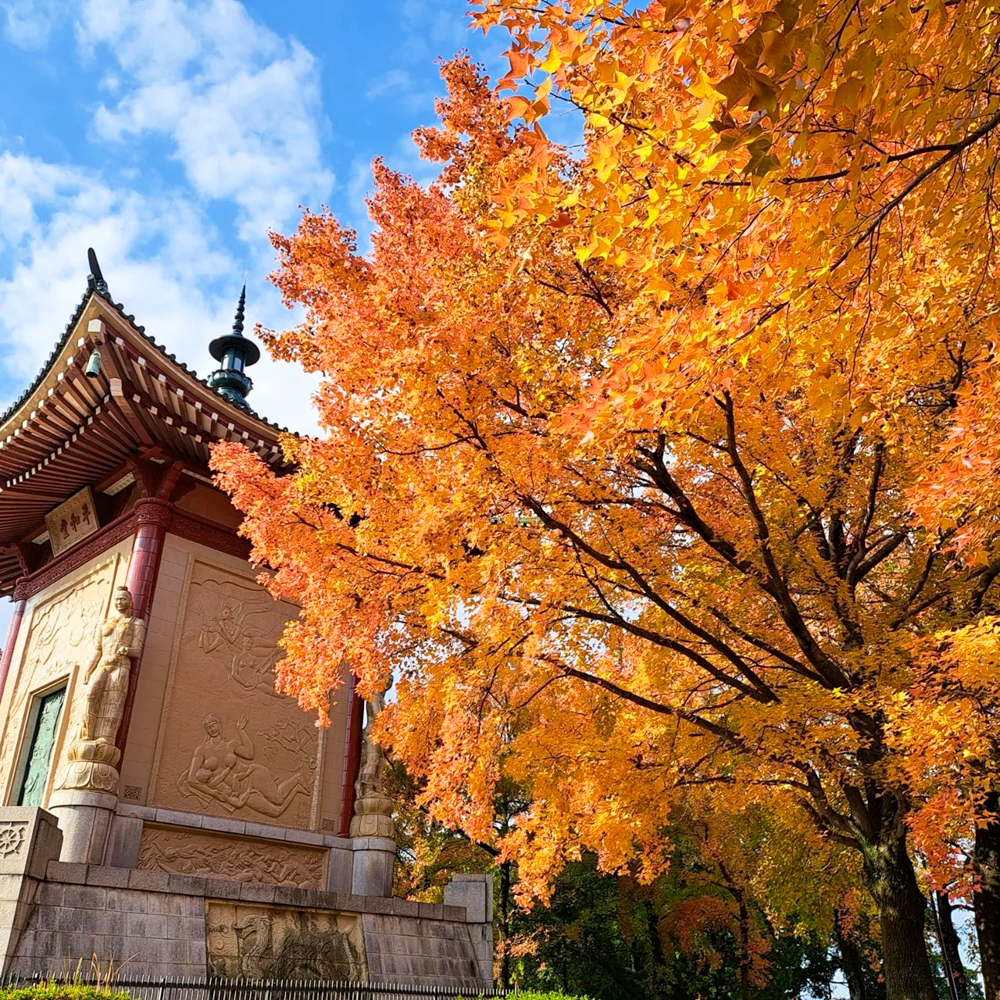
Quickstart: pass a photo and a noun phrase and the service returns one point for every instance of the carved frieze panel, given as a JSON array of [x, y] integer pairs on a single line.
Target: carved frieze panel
[[58, 643], [281, 943], [212, 855], [229, 745]]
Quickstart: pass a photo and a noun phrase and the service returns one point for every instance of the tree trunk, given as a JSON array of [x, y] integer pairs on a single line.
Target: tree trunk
[[745, 958], [901, 911], [987, 900], [505, 924], [862, 984], [948, 936]]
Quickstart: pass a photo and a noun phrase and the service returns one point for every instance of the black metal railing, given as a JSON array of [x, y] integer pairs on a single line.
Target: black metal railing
[[181, 988]]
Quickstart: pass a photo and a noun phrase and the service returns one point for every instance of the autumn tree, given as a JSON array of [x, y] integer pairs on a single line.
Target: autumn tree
[[656, 461]]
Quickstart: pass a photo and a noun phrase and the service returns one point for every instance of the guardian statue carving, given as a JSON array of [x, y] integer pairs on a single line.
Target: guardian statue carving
[[93, 755], [372, 807]]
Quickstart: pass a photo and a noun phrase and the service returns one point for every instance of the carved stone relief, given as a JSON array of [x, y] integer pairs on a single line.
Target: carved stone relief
[[93, 756], [235, 625], [58, 640], [179, 852], [273, 942], [12, 837], [372, 808], [226, 771], [229, 745]]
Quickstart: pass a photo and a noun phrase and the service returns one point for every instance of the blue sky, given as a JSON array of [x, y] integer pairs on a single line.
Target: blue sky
[[171, 134]]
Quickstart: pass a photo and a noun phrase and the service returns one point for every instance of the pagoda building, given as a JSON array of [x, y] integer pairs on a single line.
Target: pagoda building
[[144, 750]]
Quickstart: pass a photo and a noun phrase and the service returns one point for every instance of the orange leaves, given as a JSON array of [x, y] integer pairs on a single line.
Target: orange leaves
[[646, 463]]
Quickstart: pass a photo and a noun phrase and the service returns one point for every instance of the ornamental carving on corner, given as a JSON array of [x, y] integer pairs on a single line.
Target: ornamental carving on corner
[[11, 838]]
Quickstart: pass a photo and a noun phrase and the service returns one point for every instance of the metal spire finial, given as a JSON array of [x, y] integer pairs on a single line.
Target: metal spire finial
[[95, 279], [240, 311]]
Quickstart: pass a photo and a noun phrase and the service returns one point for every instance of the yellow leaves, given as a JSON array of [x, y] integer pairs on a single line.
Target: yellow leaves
[[596, 246], [604, 158], [702, 87], [736, 85], [888, 25], [761, 161], [847, 94], [764, 97], [552, 61], [520, 332], [861, 411]]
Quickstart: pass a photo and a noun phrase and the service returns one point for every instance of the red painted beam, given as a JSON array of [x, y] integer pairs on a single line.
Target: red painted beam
[[8, 649], [152, 517]]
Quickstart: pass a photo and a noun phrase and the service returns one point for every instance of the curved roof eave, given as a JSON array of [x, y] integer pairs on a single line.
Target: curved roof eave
[[119, 310]]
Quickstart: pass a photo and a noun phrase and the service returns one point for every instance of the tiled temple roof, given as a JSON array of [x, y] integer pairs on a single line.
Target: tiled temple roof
[[71, 429], [130, 319]]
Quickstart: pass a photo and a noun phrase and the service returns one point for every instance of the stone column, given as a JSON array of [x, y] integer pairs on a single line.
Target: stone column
[[374, 859]]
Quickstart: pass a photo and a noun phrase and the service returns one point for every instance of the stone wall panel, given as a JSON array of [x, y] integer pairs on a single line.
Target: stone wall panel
[[279, 943]]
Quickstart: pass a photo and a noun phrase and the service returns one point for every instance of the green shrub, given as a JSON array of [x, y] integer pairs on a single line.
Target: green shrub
[[60, 991], [549, 995], [545, 995]]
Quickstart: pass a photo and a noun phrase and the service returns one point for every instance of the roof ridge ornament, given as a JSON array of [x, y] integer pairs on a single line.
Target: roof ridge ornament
[[95, 280], [235, 353]]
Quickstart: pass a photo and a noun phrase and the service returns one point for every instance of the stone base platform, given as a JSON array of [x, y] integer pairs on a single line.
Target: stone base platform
[[152, 923]]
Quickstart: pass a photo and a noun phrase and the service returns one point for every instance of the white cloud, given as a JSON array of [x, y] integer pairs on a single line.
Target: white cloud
[[162, 258], [239, 109], [391, 81], [239, 104], [27, 23]]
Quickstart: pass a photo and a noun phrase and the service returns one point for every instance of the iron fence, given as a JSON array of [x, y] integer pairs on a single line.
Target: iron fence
[[151, 988]]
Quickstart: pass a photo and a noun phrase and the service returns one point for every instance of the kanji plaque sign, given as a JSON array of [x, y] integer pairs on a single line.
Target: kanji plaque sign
[[71, 521]]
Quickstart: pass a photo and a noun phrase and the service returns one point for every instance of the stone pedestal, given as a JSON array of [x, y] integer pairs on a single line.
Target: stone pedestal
[[373, 863], [373, 844], [92, 766], [372, 816], [84, 819]]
